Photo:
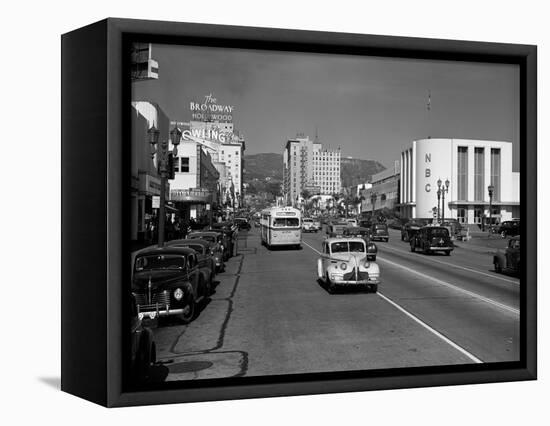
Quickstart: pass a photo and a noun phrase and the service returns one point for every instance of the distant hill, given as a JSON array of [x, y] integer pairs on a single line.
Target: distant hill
[[355, 170], [258, 167]]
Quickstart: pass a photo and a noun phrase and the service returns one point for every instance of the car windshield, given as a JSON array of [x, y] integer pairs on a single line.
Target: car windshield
[[286, 222], [438, 232], [347, 246], [146, 263]]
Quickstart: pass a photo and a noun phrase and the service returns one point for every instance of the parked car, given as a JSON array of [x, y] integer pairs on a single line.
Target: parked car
[[310, 225], [508, 259], [230, 232], [344, 263], [508, 228], [430, 239], [143, 352], [242, 223], [336, 228], [379, 232], [365, 234], [220, 246], [454, 226], [205, 257], [411, 227], [167, 282]]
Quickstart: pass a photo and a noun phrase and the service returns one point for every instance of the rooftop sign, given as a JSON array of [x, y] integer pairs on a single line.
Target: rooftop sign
[[211, 110]]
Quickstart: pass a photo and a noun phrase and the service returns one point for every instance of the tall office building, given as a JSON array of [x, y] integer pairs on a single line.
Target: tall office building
[[309, 167]]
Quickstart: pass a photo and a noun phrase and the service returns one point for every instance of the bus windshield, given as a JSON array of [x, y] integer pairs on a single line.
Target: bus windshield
[[286, 222]]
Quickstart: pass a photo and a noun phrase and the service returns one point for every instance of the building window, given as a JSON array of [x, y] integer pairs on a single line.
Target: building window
[[184, 165], [462, 192], [495, 173], [462, 214], [479, 174]]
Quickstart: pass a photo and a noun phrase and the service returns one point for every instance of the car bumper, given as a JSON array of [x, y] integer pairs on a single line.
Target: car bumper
[[435, 248], [157, 311]]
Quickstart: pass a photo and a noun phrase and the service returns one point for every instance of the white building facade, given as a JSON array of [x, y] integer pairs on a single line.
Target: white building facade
[[307, 166], [470, 166]]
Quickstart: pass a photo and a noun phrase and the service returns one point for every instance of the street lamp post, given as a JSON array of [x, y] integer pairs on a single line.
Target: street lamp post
[[162, 152], [438, 199], [441, 190], [490, 188]]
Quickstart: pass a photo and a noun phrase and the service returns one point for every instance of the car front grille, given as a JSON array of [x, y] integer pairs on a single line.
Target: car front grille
[[361, 276], [162, 298]]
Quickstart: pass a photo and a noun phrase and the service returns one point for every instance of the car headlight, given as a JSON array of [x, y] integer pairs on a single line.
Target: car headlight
[[343, 266], [178, 294]]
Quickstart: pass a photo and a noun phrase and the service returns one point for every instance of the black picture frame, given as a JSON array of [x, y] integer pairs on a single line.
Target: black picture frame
[[95, 123]]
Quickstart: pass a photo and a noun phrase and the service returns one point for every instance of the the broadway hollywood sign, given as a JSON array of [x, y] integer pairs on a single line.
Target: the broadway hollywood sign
[[211, 110]]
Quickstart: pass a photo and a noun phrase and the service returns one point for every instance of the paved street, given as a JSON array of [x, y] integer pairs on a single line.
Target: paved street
[[270, 315]]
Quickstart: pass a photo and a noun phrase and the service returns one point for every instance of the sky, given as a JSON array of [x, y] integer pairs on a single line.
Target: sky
[[370, 107]]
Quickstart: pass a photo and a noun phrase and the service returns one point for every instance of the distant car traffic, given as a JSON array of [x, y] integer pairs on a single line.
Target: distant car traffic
[[430, 239], [365, 234], [508, 259], [411, 227], [167, 282], [344, 263], [336, 228], [379, 232], [242, 223], [310, 225]]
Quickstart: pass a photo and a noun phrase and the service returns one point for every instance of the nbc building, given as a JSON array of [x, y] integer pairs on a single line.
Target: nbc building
[[470, 167]]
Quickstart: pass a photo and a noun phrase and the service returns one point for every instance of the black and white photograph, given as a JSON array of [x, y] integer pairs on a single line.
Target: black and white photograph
[[298, 212]]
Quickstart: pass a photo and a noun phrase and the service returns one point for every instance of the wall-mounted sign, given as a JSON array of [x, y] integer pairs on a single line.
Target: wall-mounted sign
[[156, 201], [211, 110]]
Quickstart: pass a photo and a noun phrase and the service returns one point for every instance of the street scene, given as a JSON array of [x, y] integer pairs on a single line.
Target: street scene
[[283, 222]]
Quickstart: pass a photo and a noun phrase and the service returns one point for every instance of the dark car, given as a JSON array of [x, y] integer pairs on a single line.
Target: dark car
[[411, 227], [205, 257], [365, 223], [229, 231], [454, 226], [142, 345], [167, 282], [430, 239], [508, 228], [242, 223], [365, 234], [336, 228], [379, 232], [219, 248], [508, 260]]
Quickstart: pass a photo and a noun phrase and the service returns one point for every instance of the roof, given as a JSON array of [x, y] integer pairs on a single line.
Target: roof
[[189, 241], [166, 250], [343, 239]]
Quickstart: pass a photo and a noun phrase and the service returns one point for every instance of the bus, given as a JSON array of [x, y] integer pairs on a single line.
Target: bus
[[281, 226]]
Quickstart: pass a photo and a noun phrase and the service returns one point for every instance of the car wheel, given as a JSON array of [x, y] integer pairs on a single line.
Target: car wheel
[[191, 303], [498, 266]]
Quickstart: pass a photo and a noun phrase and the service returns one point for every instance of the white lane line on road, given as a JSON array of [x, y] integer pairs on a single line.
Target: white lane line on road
[[456, 266], [432, 330], [454, 287], [421, 323]]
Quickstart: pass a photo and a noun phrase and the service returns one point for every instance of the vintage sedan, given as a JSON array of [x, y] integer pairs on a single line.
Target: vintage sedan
[[218, 248], [508, 260], [430, 239], [379, 232], [167, 282], [344, 263], [310, 225], [205, 256], [230, 234], [365, 234], [336, 229]]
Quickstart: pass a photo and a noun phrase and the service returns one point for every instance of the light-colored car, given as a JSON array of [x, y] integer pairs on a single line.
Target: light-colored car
[[344, 263], [310, 225]]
